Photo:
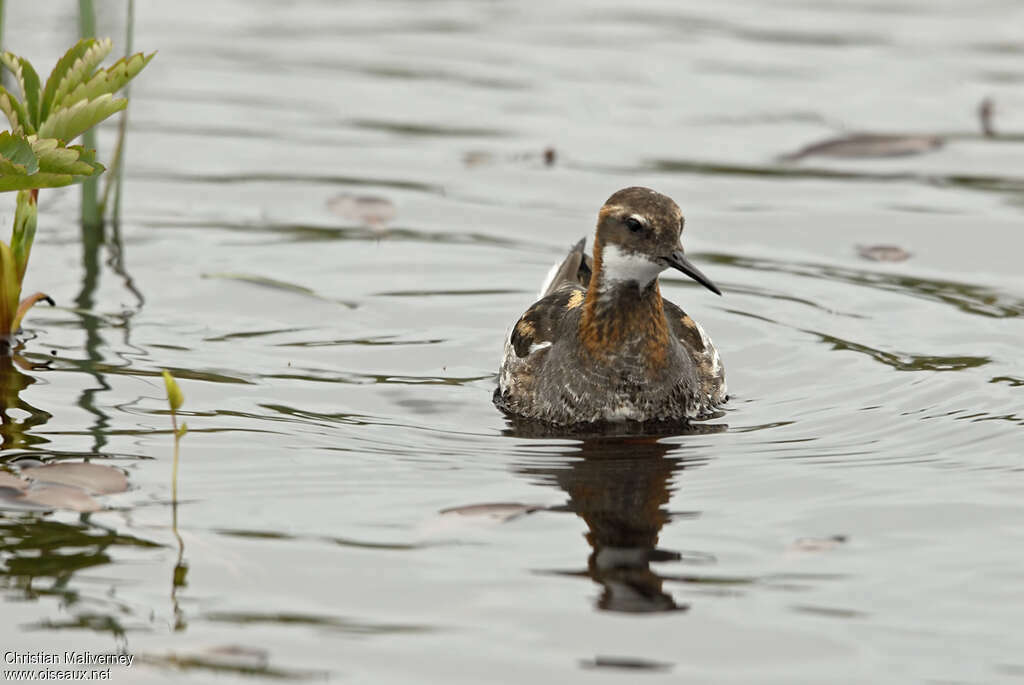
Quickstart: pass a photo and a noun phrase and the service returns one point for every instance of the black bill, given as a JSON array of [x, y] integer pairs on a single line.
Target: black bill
[[678, 260]]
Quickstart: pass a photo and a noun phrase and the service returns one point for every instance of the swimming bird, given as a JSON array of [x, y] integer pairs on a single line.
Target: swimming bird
[[601, 344]]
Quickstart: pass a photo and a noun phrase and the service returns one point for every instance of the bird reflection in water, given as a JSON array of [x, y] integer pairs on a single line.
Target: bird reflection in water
[[621, 486]]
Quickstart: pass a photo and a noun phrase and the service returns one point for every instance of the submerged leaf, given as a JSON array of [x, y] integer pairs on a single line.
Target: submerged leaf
[[67, 123], [97, 479], [175, 398]]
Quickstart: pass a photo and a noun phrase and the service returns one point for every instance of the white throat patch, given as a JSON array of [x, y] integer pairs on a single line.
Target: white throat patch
[[625, 266]]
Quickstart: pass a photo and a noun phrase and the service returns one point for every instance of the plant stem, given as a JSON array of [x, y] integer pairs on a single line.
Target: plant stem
[[178, 576], [114, 177], [91, 218], [174, 469]]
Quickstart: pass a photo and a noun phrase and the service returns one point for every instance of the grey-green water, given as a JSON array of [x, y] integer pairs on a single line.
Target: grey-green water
[[856, 513]]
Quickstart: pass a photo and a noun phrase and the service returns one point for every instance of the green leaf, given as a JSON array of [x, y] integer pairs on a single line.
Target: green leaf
[[17, 155], [58, 166], [174, 396], [57, 159], [63, 66], [68, 123], [80, 71], [10, 290], [16, 113], [28, 79], [25, 305], [108, 80], [24, 231]]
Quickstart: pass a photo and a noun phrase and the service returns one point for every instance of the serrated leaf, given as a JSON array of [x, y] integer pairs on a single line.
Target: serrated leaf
[[16, 113], [57, 159], [80, 71], [28, 79], [62, 67], [39, 180], [108, 80], [58, 166], [17, 155], [68, 123]]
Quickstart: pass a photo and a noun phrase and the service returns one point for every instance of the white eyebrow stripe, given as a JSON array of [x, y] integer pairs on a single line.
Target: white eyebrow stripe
[[641, 218]]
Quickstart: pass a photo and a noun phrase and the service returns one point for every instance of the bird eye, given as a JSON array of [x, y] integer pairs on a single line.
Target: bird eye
[[634, 224]]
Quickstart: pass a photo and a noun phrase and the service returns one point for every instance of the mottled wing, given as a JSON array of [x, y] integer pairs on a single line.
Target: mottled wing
[[575, 269], [537, 328], [709, 365]]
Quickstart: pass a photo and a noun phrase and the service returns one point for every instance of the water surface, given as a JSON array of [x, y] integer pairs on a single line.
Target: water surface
[[353, 507]]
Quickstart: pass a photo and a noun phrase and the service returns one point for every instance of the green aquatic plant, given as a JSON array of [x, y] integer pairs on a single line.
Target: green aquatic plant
[[35, 152], [175, 399]]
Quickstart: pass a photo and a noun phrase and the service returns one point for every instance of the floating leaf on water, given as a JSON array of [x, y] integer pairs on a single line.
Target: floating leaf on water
[[95, 478], [826, 544], [53, 496], [9, 480], [228, 659], [499, 512], [14, 500], [262, 280], [868, 145], [372, 210], [883, 253], [477, 157], [548, 156]]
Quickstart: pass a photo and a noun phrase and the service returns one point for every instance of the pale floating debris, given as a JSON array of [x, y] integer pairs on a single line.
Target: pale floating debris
[[548, 156], [92, 478], [14, 500], [371, 210], [244, 660], [234, 657], [986, 110], [477, 157], [255, 279], [883, 253], [860, 145], [52, 496], [9, 480], [817, 544]]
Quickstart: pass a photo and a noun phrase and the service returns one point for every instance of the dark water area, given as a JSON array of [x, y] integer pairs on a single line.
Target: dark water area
[[334, 212]]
